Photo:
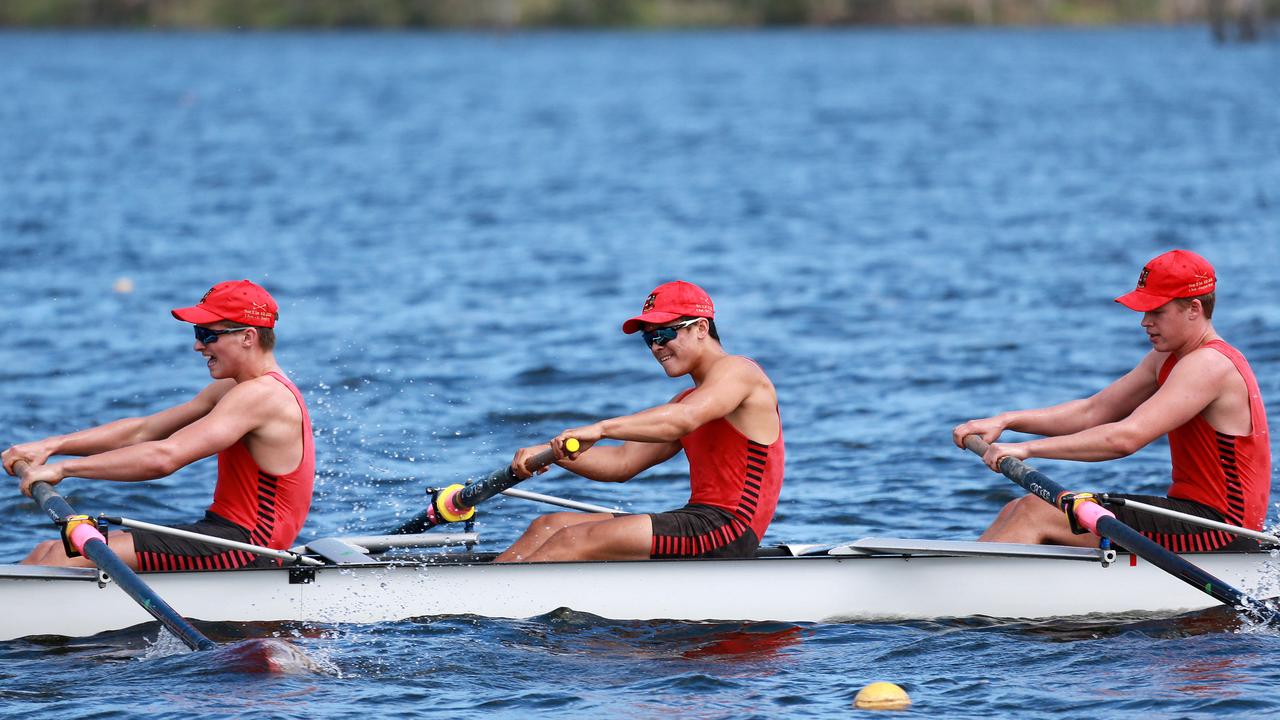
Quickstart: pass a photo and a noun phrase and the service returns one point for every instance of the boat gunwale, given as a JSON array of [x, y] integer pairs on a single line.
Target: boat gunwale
[[443, 560]]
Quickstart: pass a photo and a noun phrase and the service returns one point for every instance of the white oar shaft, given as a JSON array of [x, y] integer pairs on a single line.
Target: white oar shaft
[[1203, 522], [561, 502], [221, 542]]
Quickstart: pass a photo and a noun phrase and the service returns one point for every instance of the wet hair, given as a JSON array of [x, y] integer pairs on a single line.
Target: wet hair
[[711, 325], [1206, 302]]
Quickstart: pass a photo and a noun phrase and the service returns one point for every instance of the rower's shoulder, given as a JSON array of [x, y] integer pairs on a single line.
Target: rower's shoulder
[[1212, 354], [1154, 359], [213, 393], [740, 364], [264, 391], [1203, 363]]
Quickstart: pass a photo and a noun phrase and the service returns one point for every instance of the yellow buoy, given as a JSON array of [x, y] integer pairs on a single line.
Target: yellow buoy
[[882, 696]]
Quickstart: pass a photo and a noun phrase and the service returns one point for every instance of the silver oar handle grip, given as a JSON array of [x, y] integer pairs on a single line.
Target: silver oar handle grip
[[1011, 467], [44, 494], [471, 495], [548, 456], [976, 445]]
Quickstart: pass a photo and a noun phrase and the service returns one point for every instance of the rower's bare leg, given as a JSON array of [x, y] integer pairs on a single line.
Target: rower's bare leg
[[1033, 521], [51, 552], [541, 530], [629, 537]]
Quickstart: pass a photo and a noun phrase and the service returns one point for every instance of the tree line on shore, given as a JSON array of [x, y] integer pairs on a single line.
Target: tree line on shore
[[514, 14]]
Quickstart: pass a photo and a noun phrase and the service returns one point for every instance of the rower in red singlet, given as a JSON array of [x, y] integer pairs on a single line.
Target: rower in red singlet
[[251, 416], [727, 424], [1192, 386]]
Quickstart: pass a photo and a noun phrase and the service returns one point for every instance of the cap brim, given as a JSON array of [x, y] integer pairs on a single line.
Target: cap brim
[[196, 315], [1141, 301], [651, 318]]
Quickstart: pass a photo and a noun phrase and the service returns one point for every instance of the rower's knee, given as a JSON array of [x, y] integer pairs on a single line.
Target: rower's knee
[[1015, 508], [551, 523], [585, 537], [48, 552], [1030, 506], [576, 541], [567, 536]]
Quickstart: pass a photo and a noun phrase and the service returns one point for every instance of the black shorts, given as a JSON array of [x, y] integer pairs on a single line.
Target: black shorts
[[163, 553], [701, 531], [1177, 535]]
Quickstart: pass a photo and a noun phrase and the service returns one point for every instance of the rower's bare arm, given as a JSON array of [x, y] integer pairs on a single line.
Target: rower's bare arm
[[1195, 382], [1121, 398], [725, 388], [1112, 403], [240, 411], [620, 463], [120, 433]]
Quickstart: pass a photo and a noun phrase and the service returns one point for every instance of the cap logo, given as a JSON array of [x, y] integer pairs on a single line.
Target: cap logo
[[1142, 279], [258, 311], [1201, 282], [648, 303]]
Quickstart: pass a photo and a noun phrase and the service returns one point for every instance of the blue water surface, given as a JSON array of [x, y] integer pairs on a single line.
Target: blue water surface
[[906, 229]]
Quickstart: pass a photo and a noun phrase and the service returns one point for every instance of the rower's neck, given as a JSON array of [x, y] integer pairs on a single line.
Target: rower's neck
[[710, 355], [1198, 341], [258, 368]]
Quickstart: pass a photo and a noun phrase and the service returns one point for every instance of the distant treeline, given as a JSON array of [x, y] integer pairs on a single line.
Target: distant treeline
[[279, 14]]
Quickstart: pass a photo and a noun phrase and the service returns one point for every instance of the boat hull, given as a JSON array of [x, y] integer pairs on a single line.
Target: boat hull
[[820, 588]]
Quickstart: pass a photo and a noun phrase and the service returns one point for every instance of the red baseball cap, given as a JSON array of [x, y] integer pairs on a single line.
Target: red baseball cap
[[1175, 274], [238, 301], [671, 301]]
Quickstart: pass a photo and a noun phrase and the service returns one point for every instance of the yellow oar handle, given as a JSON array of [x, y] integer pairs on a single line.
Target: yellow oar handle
[[572, 445]]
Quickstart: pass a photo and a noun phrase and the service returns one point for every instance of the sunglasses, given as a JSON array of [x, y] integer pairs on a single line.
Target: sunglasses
[[208, 336], [664, 335]]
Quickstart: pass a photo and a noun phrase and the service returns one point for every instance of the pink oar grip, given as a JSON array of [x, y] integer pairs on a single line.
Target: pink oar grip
[[1088, 514], [82, 534]]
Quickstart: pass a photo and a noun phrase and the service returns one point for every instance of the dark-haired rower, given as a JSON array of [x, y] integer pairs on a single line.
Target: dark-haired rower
[[727, 424]]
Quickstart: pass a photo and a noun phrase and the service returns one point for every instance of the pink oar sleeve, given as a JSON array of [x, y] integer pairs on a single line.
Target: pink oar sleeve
[[83, 533], [1088, 513]]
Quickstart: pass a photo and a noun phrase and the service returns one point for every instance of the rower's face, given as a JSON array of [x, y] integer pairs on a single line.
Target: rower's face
[[676, 355], [1167, 326], [223, 354]]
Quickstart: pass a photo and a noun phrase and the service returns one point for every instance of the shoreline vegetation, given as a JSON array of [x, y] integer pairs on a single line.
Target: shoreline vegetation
[[1229, 19]]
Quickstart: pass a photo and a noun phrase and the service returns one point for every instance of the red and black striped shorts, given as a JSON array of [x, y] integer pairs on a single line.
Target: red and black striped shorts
[[701, 531], [1177, 535], [161, 553]]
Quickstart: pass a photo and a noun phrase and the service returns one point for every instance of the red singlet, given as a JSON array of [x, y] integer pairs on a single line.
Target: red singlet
[[1229, 473], [271, 507], [732, 472]]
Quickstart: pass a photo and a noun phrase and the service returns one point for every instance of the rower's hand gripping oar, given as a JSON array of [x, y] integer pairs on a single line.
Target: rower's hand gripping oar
[[81, 533], [1085, 510], [457, 502]]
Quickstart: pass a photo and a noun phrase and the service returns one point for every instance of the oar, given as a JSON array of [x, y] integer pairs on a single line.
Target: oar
[[83, 534], [561, 502], [1190, 519], [284, 555], [1103, 523], [457, 502]]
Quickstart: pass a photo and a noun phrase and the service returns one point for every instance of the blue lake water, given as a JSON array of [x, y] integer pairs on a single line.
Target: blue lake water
[[906, 229]]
